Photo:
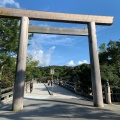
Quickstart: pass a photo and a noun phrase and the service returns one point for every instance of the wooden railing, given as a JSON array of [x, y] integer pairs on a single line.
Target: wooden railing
[[115, 94], [6, 93], [72, 87], [68, 85]]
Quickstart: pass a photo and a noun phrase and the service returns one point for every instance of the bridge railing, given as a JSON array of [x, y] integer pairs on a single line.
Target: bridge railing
[[69, 85], [115, 94], [73, 87], [6, 93]]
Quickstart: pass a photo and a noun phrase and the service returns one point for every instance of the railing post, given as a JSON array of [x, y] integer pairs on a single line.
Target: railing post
[[107, 93], [75, 87]]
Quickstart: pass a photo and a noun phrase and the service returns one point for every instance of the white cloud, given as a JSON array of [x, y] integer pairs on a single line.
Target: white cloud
[[39, 39], [70, 63], [81, 62], [44, 58], [65, 41], [35, 49], [47, 57], [45, 39], [37, 54], [4, 3]]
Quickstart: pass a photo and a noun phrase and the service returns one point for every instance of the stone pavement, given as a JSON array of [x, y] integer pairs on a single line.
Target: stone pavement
[[39, 105]]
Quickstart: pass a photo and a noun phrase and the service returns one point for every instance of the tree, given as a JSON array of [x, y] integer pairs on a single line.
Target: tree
[[84, 73], [8, 48], [109, 57], [9, 35], [8, 73], [30, 65], [108, 72]]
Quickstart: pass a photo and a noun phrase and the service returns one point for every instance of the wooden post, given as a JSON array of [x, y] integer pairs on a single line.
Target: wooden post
[[75, 87], [20, 66], [107, 93], [95, 69]]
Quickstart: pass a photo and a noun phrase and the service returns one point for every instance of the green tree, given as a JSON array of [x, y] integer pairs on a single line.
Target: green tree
[[84, 73], [9, 35], [30, 65], [109, 57]]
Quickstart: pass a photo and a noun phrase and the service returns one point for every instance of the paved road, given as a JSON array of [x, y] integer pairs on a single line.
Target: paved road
[[39, 105]]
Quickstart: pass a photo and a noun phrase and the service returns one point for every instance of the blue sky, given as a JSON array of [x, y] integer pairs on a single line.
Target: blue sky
[[68, 50]]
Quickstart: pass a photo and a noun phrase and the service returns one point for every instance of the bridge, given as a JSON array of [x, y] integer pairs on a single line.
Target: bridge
[[62, 105]]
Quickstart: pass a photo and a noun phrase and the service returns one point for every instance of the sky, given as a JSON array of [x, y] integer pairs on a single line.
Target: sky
[[68, 50]]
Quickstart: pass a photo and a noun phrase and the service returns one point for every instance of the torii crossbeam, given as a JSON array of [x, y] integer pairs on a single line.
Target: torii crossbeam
[[58, 31]]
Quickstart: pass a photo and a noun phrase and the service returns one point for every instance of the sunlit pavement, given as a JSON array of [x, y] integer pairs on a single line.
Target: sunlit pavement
[[62, 105]]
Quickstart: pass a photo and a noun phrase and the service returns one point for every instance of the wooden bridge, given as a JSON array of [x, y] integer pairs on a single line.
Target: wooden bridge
[[62, 105]]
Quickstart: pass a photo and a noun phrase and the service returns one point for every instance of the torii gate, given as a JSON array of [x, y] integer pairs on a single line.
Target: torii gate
[[90, 20]]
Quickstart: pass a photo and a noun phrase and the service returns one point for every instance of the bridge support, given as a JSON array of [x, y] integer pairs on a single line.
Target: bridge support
[[95, 69], [20, 66]]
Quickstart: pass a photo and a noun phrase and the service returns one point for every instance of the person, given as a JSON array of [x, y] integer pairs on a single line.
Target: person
[[51, 82], [48, 82], [31, 86]]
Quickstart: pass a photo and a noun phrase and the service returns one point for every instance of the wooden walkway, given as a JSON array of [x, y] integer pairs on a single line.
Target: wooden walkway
[[62, 105]]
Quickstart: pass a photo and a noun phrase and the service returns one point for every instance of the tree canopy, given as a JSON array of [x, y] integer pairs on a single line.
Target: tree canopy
[[109, 57], [9, 35]]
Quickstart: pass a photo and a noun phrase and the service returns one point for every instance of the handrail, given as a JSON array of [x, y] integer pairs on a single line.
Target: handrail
[[8, 92], [115, 95], [6, 89], [72, 86]]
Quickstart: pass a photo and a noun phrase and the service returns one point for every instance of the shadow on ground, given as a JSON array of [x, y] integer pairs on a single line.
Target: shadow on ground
[[68, 108]]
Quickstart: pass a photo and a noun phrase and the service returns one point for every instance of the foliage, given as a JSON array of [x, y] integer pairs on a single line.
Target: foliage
[[80, 74], [8, 73], [85, 78], [9, 33], [30, 65], [108, 73], [109, 57]]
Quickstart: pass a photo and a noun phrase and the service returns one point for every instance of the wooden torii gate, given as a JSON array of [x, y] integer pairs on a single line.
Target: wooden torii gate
[[91, 22]]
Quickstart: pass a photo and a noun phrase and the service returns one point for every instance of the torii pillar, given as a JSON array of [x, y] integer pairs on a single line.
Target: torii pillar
[[95, 68], [21, 66]]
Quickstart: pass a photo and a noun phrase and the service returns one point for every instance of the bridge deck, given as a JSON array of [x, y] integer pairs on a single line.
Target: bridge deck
[[39, 105]]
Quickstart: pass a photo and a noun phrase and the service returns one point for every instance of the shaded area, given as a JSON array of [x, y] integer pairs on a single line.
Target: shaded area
[[65, 108]]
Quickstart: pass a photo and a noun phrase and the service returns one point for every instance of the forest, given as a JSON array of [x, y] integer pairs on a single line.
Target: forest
[[109, 58]]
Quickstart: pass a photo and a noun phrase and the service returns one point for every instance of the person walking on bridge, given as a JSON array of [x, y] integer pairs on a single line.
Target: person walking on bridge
[[51, 82], [31, 86]]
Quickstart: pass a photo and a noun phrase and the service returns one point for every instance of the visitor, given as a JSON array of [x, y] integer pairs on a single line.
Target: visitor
[[31, 86]]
